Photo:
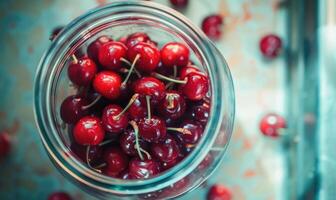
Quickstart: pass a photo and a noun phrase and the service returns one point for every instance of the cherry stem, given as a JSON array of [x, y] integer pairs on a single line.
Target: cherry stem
[[136, 133], [131, 69], [148, 107], [74, 58], [170, 101], [100, 166], [134, 97], [184, 131], [105, 142], [87, 158], [130, 64], [92, 103], [160, 76]]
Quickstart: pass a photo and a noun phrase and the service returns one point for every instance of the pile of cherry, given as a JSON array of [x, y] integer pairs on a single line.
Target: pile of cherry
[[139, 110]]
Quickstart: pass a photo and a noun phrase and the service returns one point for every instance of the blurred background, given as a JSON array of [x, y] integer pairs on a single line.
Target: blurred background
[[298, 83]]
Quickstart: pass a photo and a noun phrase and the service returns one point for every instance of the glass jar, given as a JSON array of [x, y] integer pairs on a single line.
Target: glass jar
[[163, 25]]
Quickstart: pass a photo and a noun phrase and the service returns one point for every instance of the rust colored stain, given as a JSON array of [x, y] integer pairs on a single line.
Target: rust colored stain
[[30, 49], [101, 2], [250, 173], [247, 144], [224, 9], [246, 12]]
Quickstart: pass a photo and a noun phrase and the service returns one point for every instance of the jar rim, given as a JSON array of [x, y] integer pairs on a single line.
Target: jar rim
[[43, 110]]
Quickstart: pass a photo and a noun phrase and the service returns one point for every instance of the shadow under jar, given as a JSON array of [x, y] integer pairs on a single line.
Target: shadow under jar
[[163, 25]]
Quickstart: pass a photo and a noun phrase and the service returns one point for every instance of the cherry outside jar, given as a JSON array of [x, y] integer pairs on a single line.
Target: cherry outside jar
[[163, 25]]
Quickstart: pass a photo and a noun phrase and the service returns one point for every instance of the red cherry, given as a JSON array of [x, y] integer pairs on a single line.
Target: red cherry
[[72, 109], [82, 71], [94, 47], [110, 55], [107, 84], [112, 120], [116, 161], [88, 131], [138, 109], [143, 169], [219, 192], [153, 129], [271, 125], [135, 38], [127, 143], [5, 144], [179, 3], [174, 54], [149, 56], [149, 86], [195, 131], [200, 111], [166, 71], [212, 26], [196, 87], [80, 151], [170, 164], [59, 196], [270, 45], [166, 151], [172, 105], [55, 32], [185, 71]]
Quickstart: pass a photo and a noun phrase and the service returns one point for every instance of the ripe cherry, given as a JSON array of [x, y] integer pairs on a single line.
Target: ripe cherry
[[166, 71], [165, 151], [200, 111], [138, 109], [107, 83], [88, 131], [179, 3], [196, 87], [149, 86], [93, 156], [59, 196], [5, 144], [149, 56], [152, 129], [135, 38], [212, 26], [82, 71], [272, 124], [185, 71], [110, 55], [174, 54], [125, 175], [195, 130], [116, 161], [94, 47], [172, 105], [270, 45], [73, 108], [113, 120], [128, 143], [219, 192], [143, 169]]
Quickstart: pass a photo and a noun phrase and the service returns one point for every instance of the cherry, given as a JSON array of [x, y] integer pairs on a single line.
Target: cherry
[[135, 38], [196, 87], [123, 40], [172, 106], [82, 71], [149, 56], [113, 120], [212, 26], [174, 54], [219, 192], [272, 124], [170, 164], [152, 129], [179, 3], [110, 55], [5, 144], [195, 130], [125, 175], [93, 156], [165, 151], [116, 161], [270, 45], [107, 84], [93, 48], [55, 32], [200, 112], [128, 143], [185, 71], [143, 169], [59, 196], [138, 109], [72, 109], [149, 86], [88, 131], [166, 71]]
